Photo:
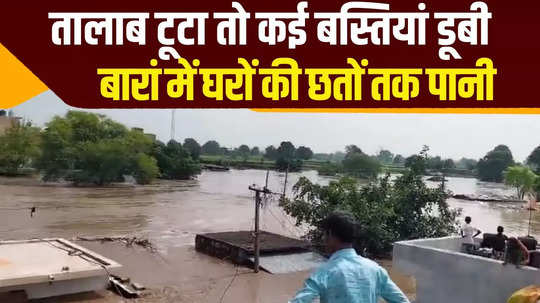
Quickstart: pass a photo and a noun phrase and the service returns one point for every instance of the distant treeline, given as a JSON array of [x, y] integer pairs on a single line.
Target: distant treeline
[[90, 148]]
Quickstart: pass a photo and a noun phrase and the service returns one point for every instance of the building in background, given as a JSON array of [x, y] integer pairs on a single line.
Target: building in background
[[7, 120]]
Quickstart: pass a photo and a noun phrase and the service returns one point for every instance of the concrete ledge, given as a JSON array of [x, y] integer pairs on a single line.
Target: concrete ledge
[[51, 267], [445, 275]]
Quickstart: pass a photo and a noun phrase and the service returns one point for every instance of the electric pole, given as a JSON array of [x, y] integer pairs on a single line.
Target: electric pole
[[256, 250], [173, 125]]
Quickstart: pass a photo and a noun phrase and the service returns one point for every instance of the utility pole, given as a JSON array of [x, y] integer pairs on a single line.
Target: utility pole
[[530, 217], [285, 184], [256, 249], [173, 125]]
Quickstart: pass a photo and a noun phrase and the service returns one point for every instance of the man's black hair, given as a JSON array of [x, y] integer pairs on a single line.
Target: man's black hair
[[500, 229], [340, 225], [467, 219]]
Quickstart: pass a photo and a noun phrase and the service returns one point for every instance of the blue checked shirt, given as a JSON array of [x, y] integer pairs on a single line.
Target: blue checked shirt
[[349, 278]]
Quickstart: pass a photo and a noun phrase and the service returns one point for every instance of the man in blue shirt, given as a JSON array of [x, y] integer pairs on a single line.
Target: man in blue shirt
[[347, 277]]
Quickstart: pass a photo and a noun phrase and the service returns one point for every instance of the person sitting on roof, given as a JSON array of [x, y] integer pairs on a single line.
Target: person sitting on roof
[[499, 244]]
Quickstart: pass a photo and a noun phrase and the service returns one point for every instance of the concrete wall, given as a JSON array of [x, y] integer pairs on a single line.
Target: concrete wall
[[445, 275], [7, 122]]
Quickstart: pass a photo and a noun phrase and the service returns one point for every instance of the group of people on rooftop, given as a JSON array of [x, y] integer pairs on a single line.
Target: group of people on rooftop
[[348, 277], [510, 250]]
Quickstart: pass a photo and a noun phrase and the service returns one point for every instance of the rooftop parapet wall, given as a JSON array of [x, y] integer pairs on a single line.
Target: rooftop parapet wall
[[445, 275]]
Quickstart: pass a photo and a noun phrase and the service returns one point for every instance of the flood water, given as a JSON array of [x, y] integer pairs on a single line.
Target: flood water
[[170, 213]]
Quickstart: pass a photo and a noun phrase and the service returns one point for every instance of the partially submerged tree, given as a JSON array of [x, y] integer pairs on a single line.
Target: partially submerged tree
[[385, 156], [492, 166], [19, 147], [244, 151], [174, 161], [533, 160], [304, 153], [87, 148], [361, 165], [522, 178], [386, 211], [286, 157], [193, 147], [418, 163], [211, 148]]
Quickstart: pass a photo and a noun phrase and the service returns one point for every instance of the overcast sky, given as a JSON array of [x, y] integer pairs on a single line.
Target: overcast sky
[[447, 135]]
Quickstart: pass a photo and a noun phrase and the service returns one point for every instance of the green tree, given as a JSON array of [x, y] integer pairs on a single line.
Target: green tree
[[19, 147], [385, 156], [211, 148], [448, 164], [533, 160], [88, 148], [522, 178], [304, 153], [193, 147], [398, 160], [385, 211], [418, 163], [244, 151], [361, 165], [255, 151], [465, 163], [174, 161], [351, 150], [146, 169], [286, 150], [493, 164], [286, 159], [270, 153], [435, 163]]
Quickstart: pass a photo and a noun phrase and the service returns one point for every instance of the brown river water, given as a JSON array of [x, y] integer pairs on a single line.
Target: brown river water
[[171, 213]]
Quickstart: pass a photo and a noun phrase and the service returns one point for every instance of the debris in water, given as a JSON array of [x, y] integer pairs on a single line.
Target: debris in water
[[128, 241], [121, 288]]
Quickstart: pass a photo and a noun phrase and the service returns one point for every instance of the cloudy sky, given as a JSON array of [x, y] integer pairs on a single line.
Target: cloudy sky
[[452, 136]]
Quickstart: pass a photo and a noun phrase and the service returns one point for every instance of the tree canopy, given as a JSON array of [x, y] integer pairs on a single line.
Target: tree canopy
[[522, 178], [385, 211], [533, 160], [270, 152], [88, 148], [255, 151], [19, 146], [493, 164], [211, 148], [193, 147], [361, 165], [304, 153], [385, 156], [174, 161], [244, 151]]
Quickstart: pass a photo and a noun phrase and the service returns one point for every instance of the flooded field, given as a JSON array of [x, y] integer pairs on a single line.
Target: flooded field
[[170, 213]]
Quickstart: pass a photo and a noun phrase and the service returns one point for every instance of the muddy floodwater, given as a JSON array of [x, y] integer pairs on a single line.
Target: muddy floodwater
[[171, 213]]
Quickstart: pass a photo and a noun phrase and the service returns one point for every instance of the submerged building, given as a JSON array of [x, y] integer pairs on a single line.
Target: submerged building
[[446, 275]]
